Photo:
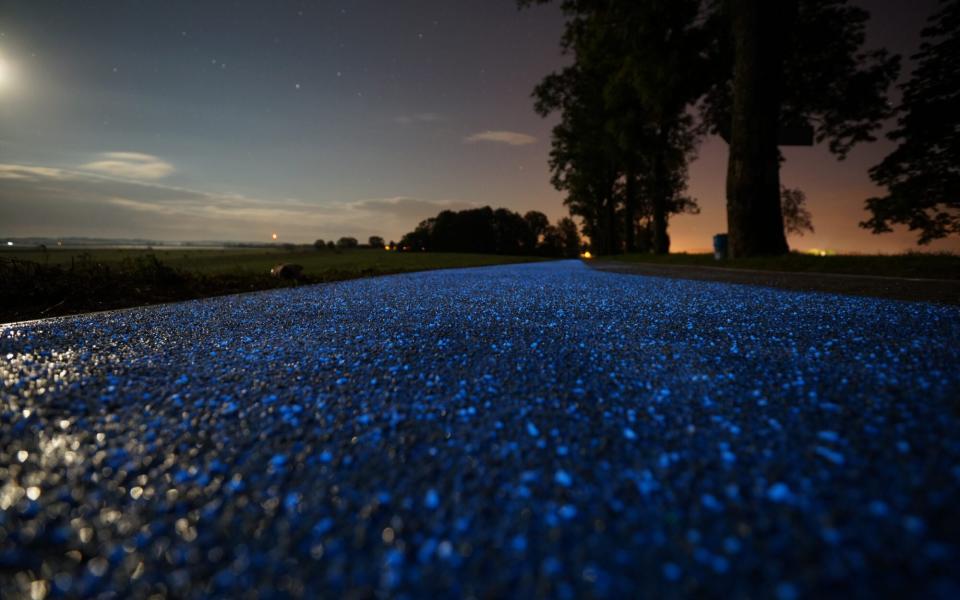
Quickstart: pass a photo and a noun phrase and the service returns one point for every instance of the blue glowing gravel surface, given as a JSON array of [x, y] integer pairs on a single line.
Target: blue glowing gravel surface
[[532, 430]]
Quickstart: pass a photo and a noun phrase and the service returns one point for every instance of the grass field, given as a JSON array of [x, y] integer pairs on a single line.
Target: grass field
[[922, 266], [36, 283]]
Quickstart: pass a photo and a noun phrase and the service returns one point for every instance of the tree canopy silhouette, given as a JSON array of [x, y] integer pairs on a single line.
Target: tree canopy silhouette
[[789, 62], [758, 69], [922, 175], [488, 231], [625, 138]]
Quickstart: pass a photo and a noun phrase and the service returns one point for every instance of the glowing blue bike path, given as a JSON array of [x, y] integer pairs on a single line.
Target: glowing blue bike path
[[532, 430]]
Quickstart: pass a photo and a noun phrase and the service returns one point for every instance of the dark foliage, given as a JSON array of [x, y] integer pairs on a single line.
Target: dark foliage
[[922, 175], [625, 138], [488, 231], [757, 68], [793, 207], [32, 290]]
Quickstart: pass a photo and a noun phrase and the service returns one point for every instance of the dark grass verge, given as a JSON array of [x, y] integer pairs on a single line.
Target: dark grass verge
[[941, 291], [909, 265], [33, 290]]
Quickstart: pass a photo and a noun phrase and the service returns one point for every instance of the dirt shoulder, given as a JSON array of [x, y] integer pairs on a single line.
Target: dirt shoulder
[[941, 291]]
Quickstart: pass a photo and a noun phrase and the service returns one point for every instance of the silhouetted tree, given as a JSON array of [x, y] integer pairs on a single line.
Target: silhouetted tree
[[792, 61], [510, 233], [661, 74], [319, 245], [764, 67], [331, 245], [922, 175], [537, 224], [796, 217], [376, 241], [419, 238], [347, 242], [569, 237], [583, 157], [482, 230], [552, 243], [622, 148]]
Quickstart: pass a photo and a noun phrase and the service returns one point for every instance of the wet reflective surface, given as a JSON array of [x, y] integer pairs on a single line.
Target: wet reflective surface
[[527, 430]]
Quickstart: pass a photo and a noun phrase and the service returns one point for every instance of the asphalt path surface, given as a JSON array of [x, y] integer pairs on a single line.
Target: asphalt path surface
[[530, 430]]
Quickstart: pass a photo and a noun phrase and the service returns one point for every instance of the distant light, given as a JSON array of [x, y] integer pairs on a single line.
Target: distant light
[[586, 254], [274, 236], [387, 248], [9, 243]]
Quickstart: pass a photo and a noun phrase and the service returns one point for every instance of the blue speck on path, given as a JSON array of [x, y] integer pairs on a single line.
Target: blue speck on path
[[829, 455], [779, 492], [710, 502], [672, 571], [829, 436], [431, 499], [786, 591], [563, 478]]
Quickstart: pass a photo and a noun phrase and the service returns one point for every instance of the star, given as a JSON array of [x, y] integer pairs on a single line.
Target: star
[[297, 86]]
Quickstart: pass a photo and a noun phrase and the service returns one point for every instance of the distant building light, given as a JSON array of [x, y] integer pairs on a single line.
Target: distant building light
[[9, 243], [586, 254]]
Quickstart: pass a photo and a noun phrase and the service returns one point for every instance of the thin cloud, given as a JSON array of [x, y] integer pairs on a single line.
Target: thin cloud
[[403, 206], [511, 138], [46, 201], [130, 165]]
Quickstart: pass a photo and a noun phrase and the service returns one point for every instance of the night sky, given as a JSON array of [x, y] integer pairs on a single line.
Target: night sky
[[217, 120]]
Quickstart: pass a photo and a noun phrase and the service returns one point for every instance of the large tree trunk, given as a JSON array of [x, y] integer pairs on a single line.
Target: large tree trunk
[[604, 226], [613, 239], [661, 194], [630, 208], [754, 221]]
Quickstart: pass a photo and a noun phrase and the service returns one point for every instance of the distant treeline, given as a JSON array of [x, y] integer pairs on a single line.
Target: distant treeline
[[488, 231]]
